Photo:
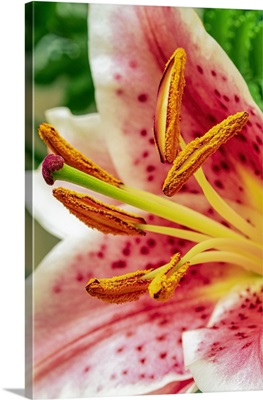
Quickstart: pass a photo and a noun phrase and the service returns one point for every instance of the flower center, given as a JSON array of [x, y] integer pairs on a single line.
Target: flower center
[[215, 242]]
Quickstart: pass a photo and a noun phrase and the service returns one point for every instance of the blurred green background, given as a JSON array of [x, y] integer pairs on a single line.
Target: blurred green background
[[58, 74]]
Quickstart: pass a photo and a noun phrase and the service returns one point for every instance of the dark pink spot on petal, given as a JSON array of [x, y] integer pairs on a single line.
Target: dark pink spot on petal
[[222, 105], [118, 264], [151, 242], [212, 119], [143, 132], [150, 168], [126, 251], [144, 250], [145, 154], [133, 64], [199, 308], [242, 157], [117, 76], [143, 97], [256, 147], [259, 140], [79, 277], [219, 184], [246, 345], [120, 350], [200, 69], [57, 289]]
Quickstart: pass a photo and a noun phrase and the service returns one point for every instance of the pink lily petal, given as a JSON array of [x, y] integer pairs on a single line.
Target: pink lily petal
[[127, 60], [84, 132], [135, 347], [177, 387], [227, 355]]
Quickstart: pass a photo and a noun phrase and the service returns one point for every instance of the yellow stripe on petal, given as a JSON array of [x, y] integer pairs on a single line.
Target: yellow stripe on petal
[[253, 187], [98, 215]]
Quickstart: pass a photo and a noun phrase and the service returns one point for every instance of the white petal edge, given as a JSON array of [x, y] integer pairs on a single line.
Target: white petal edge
[[84, 132], [205, 372]]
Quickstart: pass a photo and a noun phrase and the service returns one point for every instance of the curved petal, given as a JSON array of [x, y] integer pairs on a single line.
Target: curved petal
[[187, 386], [227, 355], [139, 343], [49, 212], [84, 132], [129, 46]]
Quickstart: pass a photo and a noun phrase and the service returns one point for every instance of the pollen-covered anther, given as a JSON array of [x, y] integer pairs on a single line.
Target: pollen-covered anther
[[168, 107], [119, 289], [166, 281], [197, 152], [73, 157], [98, 215]]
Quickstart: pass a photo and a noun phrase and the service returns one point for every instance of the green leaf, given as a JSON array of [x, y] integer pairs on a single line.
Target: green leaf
[[240, 34]]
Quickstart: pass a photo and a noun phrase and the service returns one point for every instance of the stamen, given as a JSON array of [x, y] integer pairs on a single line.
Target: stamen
[[166, 281], [95, 214], [229, 258], [197, 151], [161, 283], [243, 253], [224, 209], [168, 108], [119, 289], [243, 247], [73, 157]]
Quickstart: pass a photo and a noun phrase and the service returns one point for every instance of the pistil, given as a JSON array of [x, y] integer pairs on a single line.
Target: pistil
[[167, 209]]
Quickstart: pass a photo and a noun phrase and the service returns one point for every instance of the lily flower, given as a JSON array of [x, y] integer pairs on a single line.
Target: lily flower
[[185, 270]]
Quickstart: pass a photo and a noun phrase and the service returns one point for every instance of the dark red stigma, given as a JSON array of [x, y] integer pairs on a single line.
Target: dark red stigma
[[51, 163]]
